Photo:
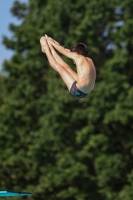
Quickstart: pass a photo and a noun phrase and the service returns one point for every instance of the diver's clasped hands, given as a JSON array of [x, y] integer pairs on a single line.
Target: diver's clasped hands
[[45, 42]]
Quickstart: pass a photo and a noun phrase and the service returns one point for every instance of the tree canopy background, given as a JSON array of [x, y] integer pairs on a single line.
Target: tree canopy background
[[51, 144]]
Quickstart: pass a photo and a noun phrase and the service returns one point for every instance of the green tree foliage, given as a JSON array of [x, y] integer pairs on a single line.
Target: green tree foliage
[[51, 144]]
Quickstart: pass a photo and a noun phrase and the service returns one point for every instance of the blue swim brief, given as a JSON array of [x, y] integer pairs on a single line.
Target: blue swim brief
[[75, 92]]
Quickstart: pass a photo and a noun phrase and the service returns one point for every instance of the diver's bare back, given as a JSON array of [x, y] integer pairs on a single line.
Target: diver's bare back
[[86, 74]]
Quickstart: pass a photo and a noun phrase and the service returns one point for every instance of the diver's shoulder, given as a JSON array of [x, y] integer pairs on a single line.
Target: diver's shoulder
[[89, 59]]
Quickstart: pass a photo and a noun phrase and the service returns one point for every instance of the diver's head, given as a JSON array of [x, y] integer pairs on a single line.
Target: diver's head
[[80, 48]]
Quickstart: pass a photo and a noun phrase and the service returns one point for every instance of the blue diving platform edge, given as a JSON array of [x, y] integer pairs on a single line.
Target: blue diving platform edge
[[13, 193]]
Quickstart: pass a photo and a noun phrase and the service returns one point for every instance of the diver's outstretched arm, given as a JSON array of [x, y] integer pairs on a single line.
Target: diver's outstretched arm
[[63, 50]]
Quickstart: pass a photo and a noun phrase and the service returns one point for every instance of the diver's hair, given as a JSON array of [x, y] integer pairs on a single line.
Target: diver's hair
[[80, 48]]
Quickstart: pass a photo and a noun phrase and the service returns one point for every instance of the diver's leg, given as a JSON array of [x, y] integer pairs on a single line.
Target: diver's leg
[[65, 75]]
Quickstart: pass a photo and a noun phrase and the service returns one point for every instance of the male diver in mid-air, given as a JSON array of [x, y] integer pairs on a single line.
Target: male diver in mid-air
[[79, 84]]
